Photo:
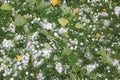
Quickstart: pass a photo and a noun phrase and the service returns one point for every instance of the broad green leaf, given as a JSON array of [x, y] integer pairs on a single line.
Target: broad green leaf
[[79, 25], [63, 21], [40, 3], [105, 57], [72, 61], [66, 51], [19, 20], [49, 36], [101, 52], [65, 9], [72, 58], [65, 40], [55, 58], [26, 29], [46, 45], [74, 67], [73, 76], [44, 32], [6, 6]]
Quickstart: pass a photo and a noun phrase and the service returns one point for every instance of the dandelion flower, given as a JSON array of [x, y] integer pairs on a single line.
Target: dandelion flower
[[55, 2], [97, 35], [18, 57]]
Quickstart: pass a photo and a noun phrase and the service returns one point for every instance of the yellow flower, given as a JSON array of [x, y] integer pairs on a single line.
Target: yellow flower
[[55, 2], [18, 57], [97, 35]]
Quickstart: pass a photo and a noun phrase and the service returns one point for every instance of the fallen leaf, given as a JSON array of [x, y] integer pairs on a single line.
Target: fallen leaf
[[6, 6], [76, 10], [63, 21], [19, 20], [79, 25]]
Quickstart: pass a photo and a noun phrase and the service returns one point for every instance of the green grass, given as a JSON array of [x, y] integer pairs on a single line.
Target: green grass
[[45, 45]]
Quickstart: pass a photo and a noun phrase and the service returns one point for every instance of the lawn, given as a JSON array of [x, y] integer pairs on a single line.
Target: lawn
[[59, 40]]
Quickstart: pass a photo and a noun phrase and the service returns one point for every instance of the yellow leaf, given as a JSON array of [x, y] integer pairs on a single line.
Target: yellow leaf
[[79, 25], [63, 21]]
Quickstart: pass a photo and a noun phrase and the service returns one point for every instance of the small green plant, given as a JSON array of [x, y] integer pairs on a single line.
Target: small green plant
[[59, 40]]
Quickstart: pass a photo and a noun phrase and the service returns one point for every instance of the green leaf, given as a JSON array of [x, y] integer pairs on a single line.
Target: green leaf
[[93, 76], [44, 32], [72, 61], [63, 21], [65, 9], [46, 45], [74, 67], [6, 6], [26, 29], [72, 58], [66, 51], [79, 25], [40, 3], [117, 46], [48, 35], [105, 57], [101, 52], [73, 76], [19, 20], [56, 58], [65, 40], [30, 2]]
